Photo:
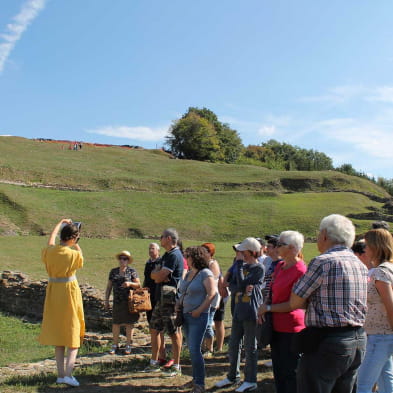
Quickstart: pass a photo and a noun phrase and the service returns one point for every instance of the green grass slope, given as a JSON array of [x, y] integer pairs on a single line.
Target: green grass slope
[[136, 193]]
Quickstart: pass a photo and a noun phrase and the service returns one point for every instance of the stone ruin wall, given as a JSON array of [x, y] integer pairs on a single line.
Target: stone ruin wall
[[19, 296]]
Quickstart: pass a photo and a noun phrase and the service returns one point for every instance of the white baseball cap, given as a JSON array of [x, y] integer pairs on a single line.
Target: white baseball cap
[[249, 244]]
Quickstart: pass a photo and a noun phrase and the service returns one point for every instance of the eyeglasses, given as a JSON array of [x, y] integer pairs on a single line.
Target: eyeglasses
[[123, 258], [281, 244]]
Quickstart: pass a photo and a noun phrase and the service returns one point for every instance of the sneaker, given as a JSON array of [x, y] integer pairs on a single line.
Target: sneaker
[[113, 349], [127, 350], [208, 355], [60, 380], [172, 371], [225, 382], [152, 368], [246, 387], [169, 363], [71, 381]]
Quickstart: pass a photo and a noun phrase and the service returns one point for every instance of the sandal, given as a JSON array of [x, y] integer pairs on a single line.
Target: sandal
[[127, 350], [113, 349]]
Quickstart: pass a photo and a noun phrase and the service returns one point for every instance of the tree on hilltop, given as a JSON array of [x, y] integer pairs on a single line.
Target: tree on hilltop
[[199, 135]]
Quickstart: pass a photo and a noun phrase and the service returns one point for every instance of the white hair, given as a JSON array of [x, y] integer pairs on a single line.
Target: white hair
[[294, 238], [339, 229], [155, 245]]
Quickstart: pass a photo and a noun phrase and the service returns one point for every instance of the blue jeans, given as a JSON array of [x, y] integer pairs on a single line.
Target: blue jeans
[[194, 330], [377, 365], [284, 362], [332, 368], [209, 330], [248, 330]]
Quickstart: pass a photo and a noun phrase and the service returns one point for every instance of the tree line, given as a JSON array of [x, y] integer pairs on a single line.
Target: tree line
[[199, 135]]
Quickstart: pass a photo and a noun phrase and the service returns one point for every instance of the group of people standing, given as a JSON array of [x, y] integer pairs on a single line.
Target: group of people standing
[[332, 320]]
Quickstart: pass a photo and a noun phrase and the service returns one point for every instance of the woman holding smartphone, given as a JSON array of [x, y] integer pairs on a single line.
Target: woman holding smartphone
[[63, 322]]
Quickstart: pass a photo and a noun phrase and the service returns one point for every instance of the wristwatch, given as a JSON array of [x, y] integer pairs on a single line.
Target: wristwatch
[[269, 308]]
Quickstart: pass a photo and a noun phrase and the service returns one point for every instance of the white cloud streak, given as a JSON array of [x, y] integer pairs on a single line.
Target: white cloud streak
[[341, 94], [14, 30], [267, 130], [136, 133], [369, 138]]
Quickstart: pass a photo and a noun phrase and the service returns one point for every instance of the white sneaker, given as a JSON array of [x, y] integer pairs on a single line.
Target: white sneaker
[[246, 387], [224, 382], [71, 381], [60, 380]]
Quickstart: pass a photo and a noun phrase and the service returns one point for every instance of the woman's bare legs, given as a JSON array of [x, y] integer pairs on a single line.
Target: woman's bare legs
[[59, 354], [70, 362], [116, 333], [129, 331], [220, 334]]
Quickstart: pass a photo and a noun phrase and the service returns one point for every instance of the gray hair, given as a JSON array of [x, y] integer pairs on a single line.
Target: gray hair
[[294, 238], [339, 229], [155, 245], [172, 233]]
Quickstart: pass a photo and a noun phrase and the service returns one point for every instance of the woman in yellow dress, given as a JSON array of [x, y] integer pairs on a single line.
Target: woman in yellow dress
[[63, 322]]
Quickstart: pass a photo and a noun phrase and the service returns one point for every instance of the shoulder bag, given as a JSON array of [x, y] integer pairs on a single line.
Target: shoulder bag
[[139, 300]]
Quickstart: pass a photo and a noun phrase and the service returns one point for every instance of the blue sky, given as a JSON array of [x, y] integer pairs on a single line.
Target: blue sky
[[312, 73]]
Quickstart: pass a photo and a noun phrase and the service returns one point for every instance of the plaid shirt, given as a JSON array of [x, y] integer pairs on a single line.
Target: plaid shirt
[[335, 285]]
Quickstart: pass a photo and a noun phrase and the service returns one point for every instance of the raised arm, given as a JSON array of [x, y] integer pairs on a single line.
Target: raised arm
[[52, 237]]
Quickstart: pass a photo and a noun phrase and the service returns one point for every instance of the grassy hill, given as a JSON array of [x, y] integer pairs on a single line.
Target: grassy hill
[[120, 192]]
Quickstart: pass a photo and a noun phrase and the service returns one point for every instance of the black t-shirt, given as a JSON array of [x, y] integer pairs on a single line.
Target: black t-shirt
[[173, 261]]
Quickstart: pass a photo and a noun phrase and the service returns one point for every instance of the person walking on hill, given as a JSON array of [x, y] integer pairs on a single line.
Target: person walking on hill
[[334, 293], [63, 323], [167, 275]]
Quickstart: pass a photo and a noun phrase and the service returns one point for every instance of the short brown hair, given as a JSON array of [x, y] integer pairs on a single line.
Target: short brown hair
[[199, 255]]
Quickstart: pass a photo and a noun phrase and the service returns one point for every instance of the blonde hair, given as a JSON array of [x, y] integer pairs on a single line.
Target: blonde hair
[[380, 242]]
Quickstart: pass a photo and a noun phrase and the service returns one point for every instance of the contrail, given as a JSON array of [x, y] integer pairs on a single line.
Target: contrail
[[14, 30]]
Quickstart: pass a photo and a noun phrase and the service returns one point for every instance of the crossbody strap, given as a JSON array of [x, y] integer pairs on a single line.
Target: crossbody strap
[[185, 292]]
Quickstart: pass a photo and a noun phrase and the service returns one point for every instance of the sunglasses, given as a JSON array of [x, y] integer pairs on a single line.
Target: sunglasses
[[281, 244], [123, 258]]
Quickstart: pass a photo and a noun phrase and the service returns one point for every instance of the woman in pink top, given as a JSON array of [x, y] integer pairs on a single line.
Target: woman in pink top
[[286, 323]]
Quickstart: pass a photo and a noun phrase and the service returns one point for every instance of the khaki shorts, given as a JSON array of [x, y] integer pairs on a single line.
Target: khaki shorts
[[163, 318]]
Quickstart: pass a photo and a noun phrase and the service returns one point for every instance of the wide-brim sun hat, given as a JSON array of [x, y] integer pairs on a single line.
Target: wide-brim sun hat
[[249, 244], [125, 253]]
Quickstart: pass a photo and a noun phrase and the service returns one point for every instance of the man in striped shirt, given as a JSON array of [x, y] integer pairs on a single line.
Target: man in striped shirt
[[334, 293]]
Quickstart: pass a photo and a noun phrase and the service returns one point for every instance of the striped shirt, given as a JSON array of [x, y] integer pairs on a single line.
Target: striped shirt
[[335, 286]]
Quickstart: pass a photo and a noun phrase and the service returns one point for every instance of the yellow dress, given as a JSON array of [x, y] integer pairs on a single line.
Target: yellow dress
[[63, 321]]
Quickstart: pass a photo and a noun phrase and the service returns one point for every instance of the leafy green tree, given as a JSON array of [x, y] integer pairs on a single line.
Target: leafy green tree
[[200, 129], [194, 138], [283, 156]]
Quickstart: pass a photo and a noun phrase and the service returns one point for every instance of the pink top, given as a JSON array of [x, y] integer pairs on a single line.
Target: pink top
[[283, 281]]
